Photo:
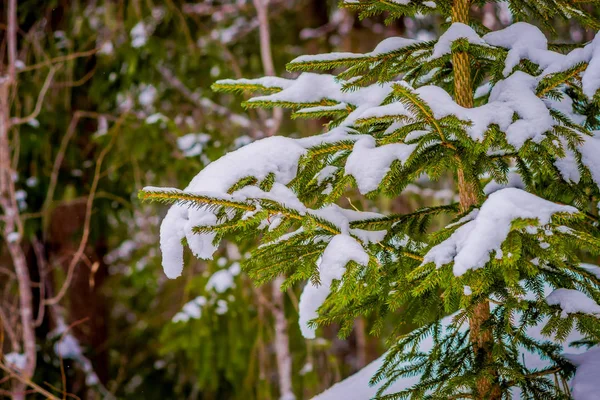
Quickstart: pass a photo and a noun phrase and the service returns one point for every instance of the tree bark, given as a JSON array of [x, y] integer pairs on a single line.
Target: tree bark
[[482, 340], [12, 224], [282, 343]]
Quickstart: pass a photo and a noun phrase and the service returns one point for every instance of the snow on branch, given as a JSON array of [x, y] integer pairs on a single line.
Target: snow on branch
[[340, 251], [483, 232], [572, 301], [385, 49]]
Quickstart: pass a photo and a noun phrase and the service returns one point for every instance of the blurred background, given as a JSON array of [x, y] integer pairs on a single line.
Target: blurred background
[[109, 96]]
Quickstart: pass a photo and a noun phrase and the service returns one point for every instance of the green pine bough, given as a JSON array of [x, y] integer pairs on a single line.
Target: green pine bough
[[503, 302]]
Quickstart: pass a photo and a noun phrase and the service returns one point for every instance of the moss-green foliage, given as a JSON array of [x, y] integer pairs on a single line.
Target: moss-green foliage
[[395, 280]]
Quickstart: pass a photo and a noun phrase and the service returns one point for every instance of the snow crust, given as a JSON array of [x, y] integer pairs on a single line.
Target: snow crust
[[340, 251], [386, 46], [591, 268], [512, 96], [456, 31], [514, 181], [585, 383], [524, 41], [369, 164], [471, 245], [271, 82], [276, 155], [313, 88], [588, 149], [572, 302], [590, 81]]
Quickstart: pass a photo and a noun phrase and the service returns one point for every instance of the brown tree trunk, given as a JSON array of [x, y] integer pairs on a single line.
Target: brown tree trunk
[[282, 343], [481, 338], [12, 224], [85, 299]]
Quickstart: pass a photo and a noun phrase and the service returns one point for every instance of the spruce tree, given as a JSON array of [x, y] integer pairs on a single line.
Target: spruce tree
[[511, 117]]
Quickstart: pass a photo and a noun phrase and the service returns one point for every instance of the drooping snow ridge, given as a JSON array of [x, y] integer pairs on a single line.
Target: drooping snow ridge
[[568, 166], [331, 266], [590, 81], [313, 88], [573, 301], [395, 109], [271, 82], [275, 155], [585, 382], [336, 107], [514, 181], [456, 31], [589, 148], [385, 46], [369, 164], [470, 246], [517, 92], [342, 217], [524, 41], [591, 268], [513, 95]]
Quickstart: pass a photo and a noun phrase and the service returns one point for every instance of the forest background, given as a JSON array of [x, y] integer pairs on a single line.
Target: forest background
[[100, 98]]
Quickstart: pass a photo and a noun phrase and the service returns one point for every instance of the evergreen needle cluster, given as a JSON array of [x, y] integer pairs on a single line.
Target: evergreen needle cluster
[[511, 117]]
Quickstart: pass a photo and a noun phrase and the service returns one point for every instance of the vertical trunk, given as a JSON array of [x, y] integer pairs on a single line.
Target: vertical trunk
[[282, 343], [85, 298], [481, 337], [262, 10], [12, 224], [361, 343]]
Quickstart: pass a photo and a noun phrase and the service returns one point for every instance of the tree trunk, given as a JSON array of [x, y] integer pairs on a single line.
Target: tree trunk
[[282, 343], [481, 338], [12, 224]]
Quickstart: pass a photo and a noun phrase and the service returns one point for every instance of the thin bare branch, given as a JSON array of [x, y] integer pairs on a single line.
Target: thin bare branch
[[27, 382], [11, 33], [38, 103], [262, 10], [88, 217], [38, 249], [212, 9], [61, 59], [203, 102], [61, 155], [282, 342], [6, 325]]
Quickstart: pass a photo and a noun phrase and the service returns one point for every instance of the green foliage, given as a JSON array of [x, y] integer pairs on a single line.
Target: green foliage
[[398, 277]]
